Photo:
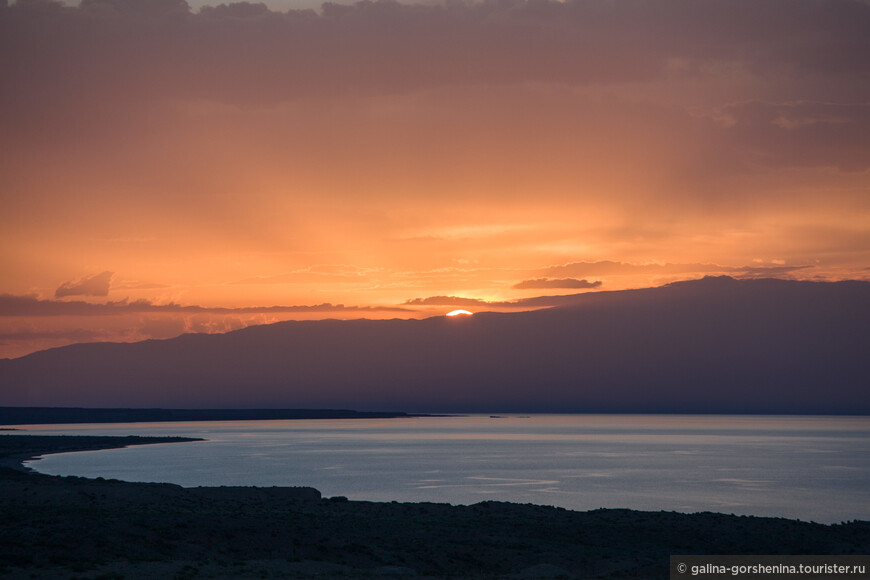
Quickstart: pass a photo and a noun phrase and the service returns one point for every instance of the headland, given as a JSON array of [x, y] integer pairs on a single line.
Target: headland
[[63, 415]]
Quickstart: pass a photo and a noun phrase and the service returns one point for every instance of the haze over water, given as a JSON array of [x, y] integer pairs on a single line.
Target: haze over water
[[810, 467]]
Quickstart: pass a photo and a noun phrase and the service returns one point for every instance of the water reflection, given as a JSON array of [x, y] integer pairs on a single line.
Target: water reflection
[[811, 468]]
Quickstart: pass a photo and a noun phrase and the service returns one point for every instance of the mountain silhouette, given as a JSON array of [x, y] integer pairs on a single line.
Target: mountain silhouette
[[716, 345]]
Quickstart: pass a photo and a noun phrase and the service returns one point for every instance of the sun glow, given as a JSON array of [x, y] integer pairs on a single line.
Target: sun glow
[[459, 313]]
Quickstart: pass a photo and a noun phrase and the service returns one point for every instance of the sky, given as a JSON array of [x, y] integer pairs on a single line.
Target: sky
[[169, 168]]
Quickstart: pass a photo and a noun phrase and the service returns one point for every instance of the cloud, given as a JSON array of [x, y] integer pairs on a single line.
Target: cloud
[[556, 283], [522, 303], [766, 271], [446, 301], [802, 133], [96, 285], [32, 324], [434, 89], [611, 268], [32, 305], [388, 46], [65, 336]]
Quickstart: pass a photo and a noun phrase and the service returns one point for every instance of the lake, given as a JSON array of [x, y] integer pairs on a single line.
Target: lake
[[807, 467]]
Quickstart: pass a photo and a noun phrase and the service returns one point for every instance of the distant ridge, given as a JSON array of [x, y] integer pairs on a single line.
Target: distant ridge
[[54, 415], [716, 345]]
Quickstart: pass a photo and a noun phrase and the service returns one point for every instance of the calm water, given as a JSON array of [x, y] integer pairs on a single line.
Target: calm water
[[812, 468]]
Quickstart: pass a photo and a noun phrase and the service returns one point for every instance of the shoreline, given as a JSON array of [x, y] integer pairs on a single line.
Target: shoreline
[[16, 449], [74, 527], [73, 415]]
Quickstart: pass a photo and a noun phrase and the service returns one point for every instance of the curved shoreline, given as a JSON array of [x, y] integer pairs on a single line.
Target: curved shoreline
[[62, 527], [17, 449]]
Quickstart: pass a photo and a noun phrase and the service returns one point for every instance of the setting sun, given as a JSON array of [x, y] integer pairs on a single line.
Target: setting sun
[[459, 313]]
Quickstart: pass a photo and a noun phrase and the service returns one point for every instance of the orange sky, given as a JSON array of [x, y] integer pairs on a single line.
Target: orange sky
[[374, 154]]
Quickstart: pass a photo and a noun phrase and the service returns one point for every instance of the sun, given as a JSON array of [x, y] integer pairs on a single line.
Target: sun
[[459, 313]]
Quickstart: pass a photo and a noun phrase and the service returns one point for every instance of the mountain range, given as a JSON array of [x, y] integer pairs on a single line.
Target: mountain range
[[715, 345]]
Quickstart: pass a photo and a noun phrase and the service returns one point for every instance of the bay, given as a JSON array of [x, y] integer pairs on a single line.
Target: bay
[[805, 467]]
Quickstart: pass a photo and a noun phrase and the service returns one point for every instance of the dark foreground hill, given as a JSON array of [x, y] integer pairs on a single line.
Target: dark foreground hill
[[712, 345], [69, 527]]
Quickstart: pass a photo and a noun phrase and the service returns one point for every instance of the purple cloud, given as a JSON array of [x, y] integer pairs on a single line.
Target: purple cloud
[[539, 283], [31, 305], [96, 285]]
